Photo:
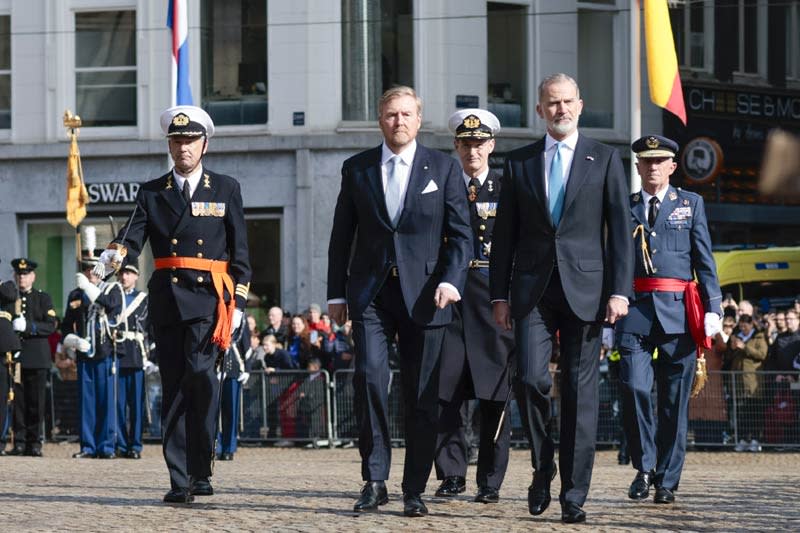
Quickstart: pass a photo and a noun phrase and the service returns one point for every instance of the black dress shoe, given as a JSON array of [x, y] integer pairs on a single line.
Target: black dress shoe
[[178, 496], [640, 488], [3, 453], [413, 505], [664, 495], [539, 491], [133, 454], [451, 486], [106, 456], [373, 494], [34, 452], [571, 513], [17, 450], [487, 495], [83, 455], [201, 487], [225, 456]]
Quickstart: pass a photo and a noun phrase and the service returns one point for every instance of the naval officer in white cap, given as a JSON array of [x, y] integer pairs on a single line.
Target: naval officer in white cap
[[476, 351], [194, 220]]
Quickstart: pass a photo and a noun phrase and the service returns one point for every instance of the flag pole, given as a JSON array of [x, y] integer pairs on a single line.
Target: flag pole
[[635, 87], [77, 197]]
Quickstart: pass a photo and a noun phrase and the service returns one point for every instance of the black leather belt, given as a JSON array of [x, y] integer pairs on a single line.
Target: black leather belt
[[478, 263]]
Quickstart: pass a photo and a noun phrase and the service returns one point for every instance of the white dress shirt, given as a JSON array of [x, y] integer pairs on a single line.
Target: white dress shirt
[[481, 177], [567, 154], [660, 195], [194, 179]]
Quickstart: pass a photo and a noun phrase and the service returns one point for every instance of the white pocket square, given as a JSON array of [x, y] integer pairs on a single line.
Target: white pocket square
[[430, 187]]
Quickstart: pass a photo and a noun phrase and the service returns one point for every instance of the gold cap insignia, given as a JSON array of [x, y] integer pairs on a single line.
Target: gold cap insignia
[[472, 122], [23, 264], [181, 119], [651, 142]]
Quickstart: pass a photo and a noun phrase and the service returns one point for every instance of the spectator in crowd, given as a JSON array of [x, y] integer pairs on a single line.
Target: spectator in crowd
[[315, 322], [270, 358], [300, 344], [775, 325], [708, 412], [745, 308], [276, 326], [253, 338], [786, 346], [747, 350], [311, 421]]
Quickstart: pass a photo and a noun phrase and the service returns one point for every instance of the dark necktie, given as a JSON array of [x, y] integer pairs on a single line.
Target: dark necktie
[[473, 188], [187, 191], [652, 212]]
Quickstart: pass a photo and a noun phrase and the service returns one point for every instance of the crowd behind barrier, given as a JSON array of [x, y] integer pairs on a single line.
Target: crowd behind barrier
[[298, 406]]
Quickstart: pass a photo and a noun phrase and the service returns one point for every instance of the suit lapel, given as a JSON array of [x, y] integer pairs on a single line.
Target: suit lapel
[[667, 206], [375, 184], [582, 161], [534, 171], [638, 210], [417, 178], [171, 195]]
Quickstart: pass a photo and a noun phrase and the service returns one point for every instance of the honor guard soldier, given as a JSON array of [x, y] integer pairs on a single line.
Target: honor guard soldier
[[9, 352], [131, 338], [476, 352], [194, 220], [87, 332], [34, 323], [234, 377], [668, 313]]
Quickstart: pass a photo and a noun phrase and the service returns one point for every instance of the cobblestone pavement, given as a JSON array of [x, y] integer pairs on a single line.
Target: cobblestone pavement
[[314, 490]]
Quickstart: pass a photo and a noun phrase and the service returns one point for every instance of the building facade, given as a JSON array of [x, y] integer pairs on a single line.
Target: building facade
[[292, 86]]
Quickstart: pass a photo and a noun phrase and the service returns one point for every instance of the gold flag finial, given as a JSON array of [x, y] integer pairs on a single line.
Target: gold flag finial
[[71, 121]]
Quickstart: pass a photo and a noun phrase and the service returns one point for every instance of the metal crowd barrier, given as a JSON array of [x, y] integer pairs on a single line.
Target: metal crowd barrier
[[734, 409]]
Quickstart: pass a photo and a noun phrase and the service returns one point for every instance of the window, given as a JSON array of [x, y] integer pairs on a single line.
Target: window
[[507, 72], [751, 29], [692, 29], [5, 72], [793, 41], [596, 66], [234, 61], [105, 68], [377, 53]]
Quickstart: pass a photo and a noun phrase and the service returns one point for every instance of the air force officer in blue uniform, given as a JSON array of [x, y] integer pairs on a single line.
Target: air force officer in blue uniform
[[672, 247], [398, 256]]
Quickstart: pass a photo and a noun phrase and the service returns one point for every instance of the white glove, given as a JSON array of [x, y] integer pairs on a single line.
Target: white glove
[[150, 368], [608, 337], [237, 319], [91, 290], [243, 377], [108, 258], [712, 324], [19, 323]]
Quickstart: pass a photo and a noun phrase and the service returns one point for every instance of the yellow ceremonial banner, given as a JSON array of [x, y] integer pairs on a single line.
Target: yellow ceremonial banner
[[77, 196]]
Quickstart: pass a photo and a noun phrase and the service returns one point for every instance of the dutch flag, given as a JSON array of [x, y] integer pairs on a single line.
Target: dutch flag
[[177, 22]]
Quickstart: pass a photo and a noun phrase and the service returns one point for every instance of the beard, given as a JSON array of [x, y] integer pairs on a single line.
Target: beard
[[564, 127]]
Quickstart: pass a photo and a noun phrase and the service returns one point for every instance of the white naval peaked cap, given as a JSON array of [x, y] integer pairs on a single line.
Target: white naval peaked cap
[[186, 121], [473, 123]]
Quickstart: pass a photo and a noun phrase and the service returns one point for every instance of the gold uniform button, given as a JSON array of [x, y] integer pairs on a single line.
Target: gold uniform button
[[174, 280], [482, 227], [199, 279], [480, 238], [173, 268], [174, 241], [200, 242], [200, 255], [174, 254]]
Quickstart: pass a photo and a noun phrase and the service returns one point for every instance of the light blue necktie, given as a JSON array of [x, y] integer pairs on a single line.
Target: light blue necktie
[[555, 184], [393, 189]]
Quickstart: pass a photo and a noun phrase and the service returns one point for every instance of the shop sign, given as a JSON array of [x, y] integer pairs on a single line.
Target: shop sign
[[112, 193]]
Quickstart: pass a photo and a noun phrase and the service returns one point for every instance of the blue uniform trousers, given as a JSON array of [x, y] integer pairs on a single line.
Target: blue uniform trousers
[[660, 444], [230, 416], [95, 400], [130, 402]]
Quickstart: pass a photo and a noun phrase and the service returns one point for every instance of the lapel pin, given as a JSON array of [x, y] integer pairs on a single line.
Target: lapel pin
[[206, 181], [425, 167], [490, 186], [590, 158], [686, 202], [169, 182], [673, 196], [636, 197]]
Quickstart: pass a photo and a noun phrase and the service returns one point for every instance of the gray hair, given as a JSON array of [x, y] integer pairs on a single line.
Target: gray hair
[[557, 78]]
